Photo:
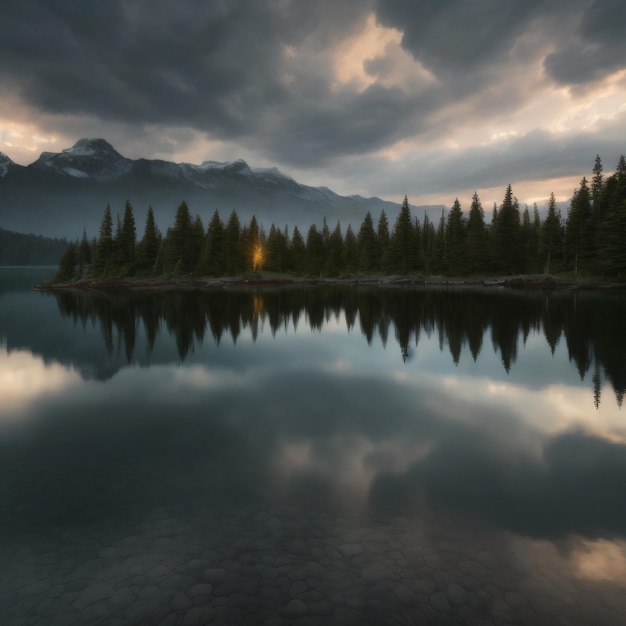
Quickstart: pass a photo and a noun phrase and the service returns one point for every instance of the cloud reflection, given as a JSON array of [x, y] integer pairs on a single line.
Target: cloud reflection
[[25, 378]]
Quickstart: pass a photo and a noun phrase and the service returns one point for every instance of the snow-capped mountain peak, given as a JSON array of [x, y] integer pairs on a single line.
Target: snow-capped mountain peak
[[93, 148], [5, 161], [87, 158]]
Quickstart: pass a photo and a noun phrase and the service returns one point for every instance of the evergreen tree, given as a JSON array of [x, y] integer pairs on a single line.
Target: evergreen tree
[[611, 240], [251, 245], [68, 264], [526, 240], [127, 241], [298, 252], [455, 241], [325, 234], [506, 235], [178, 255], [196, 243], [315, 260], [401, 257], [351, 251], [104, 250], [368, 246], [149, 246], [612, 255], [551, 239], [232, 238], [597, 186], [418, 251], [476, 241], [335, 256], [579, 230], [277, 250], [214, 254], [439, 246], [382, 234], [428, 242], [117, 251]]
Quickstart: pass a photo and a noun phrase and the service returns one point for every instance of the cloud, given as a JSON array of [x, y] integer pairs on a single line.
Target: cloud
[[361, 93], [598, 48]]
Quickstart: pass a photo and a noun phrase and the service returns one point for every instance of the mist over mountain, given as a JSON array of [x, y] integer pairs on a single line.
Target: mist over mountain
[[62, 193]]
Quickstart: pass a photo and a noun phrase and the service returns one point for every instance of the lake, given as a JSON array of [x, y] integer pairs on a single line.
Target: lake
[[311, 456]]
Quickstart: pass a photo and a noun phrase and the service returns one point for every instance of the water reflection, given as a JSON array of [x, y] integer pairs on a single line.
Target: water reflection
[[591, 324], [245, 458]]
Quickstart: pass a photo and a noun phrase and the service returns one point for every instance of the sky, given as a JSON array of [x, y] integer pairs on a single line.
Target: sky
[[434, 99]]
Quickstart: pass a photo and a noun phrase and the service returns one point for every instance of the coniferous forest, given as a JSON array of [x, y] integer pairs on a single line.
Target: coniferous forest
[[22, 249], [589, 241]]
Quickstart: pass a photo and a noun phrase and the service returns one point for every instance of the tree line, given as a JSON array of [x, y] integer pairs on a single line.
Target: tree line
[[590, 240], [22, 249]]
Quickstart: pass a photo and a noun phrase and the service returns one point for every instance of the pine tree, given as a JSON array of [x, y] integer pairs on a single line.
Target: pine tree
[[149, 246], [579, 230], [476, 241], [251, 245], [104, 250], [551, 239], [232, 239], [68, 264], [597, 186], [315, 260], [277, 250], [127, 241], [428, 241], [382, 234], [612, 239], [455, 240], [214, 254], [401, 257], [368, 246], [506, 235], [298, 252], [178, 258], [351, 251], [334, 258], [526, 240]]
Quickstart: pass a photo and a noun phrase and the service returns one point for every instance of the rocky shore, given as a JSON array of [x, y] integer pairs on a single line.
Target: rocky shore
[[268, 281]]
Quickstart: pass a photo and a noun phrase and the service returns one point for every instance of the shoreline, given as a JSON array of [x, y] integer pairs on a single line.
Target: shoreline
[[530, 282]]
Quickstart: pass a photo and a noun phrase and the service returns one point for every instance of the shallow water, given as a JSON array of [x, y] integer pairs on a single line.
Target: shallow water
[[311, 456]]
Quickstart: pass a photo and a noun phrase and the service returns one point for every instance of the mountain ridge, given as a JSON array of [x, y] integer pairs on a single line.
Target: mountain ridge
[[61, 193]]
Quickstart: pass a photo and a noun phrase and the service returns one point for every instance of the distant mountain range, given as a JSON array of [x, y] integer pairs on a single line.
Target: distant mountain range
[[62, 193]]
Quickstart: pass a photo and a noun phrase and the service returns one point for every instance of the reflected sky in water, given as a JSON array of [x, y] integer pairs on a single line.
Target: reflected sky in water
[[112, 406]]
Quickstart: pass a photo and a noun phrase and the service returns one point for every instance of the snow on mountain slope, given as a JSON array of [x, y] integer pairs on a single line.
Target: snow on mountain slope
[[67, 191], [87, 158], [5, 161]]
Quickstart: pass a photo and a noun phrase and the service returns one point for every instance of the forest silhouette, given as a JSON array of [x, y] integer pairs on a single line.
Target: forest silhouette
[[590, 240]]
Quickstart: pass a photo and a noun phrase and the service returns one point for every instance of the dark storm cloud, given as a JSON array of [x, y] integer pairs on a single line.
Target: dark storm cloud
[[451, 37], [226, 68], [538, 155], [597, 50], [159, 62]]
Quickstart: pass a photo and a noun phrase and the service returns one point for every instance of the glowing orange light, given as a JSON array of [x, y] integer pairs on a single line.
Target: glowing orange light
[[257, 257], [257, 304]]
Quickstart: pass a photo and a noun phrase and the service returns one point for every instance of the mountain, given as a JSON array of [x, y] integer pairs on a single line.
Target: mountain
[[62, 193]]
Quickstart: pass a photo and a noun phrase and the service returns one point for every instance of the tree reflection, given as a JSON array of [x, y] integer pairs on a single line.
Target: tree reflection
[[591, 323]]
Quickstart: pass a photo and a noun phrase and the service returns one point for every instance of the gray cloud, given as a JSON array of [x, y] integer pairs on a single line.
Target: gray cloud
[[597, 50], [538, 155], [223, 70]]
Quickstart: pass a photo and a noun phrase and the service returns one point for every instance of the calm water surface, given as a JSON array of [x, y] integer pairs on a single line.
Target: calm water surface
[[311, 456]]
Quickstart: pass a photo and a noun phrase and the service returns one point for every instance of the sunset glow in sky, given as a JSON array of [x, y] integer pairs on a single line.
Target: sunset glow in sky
[[376, 97]]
